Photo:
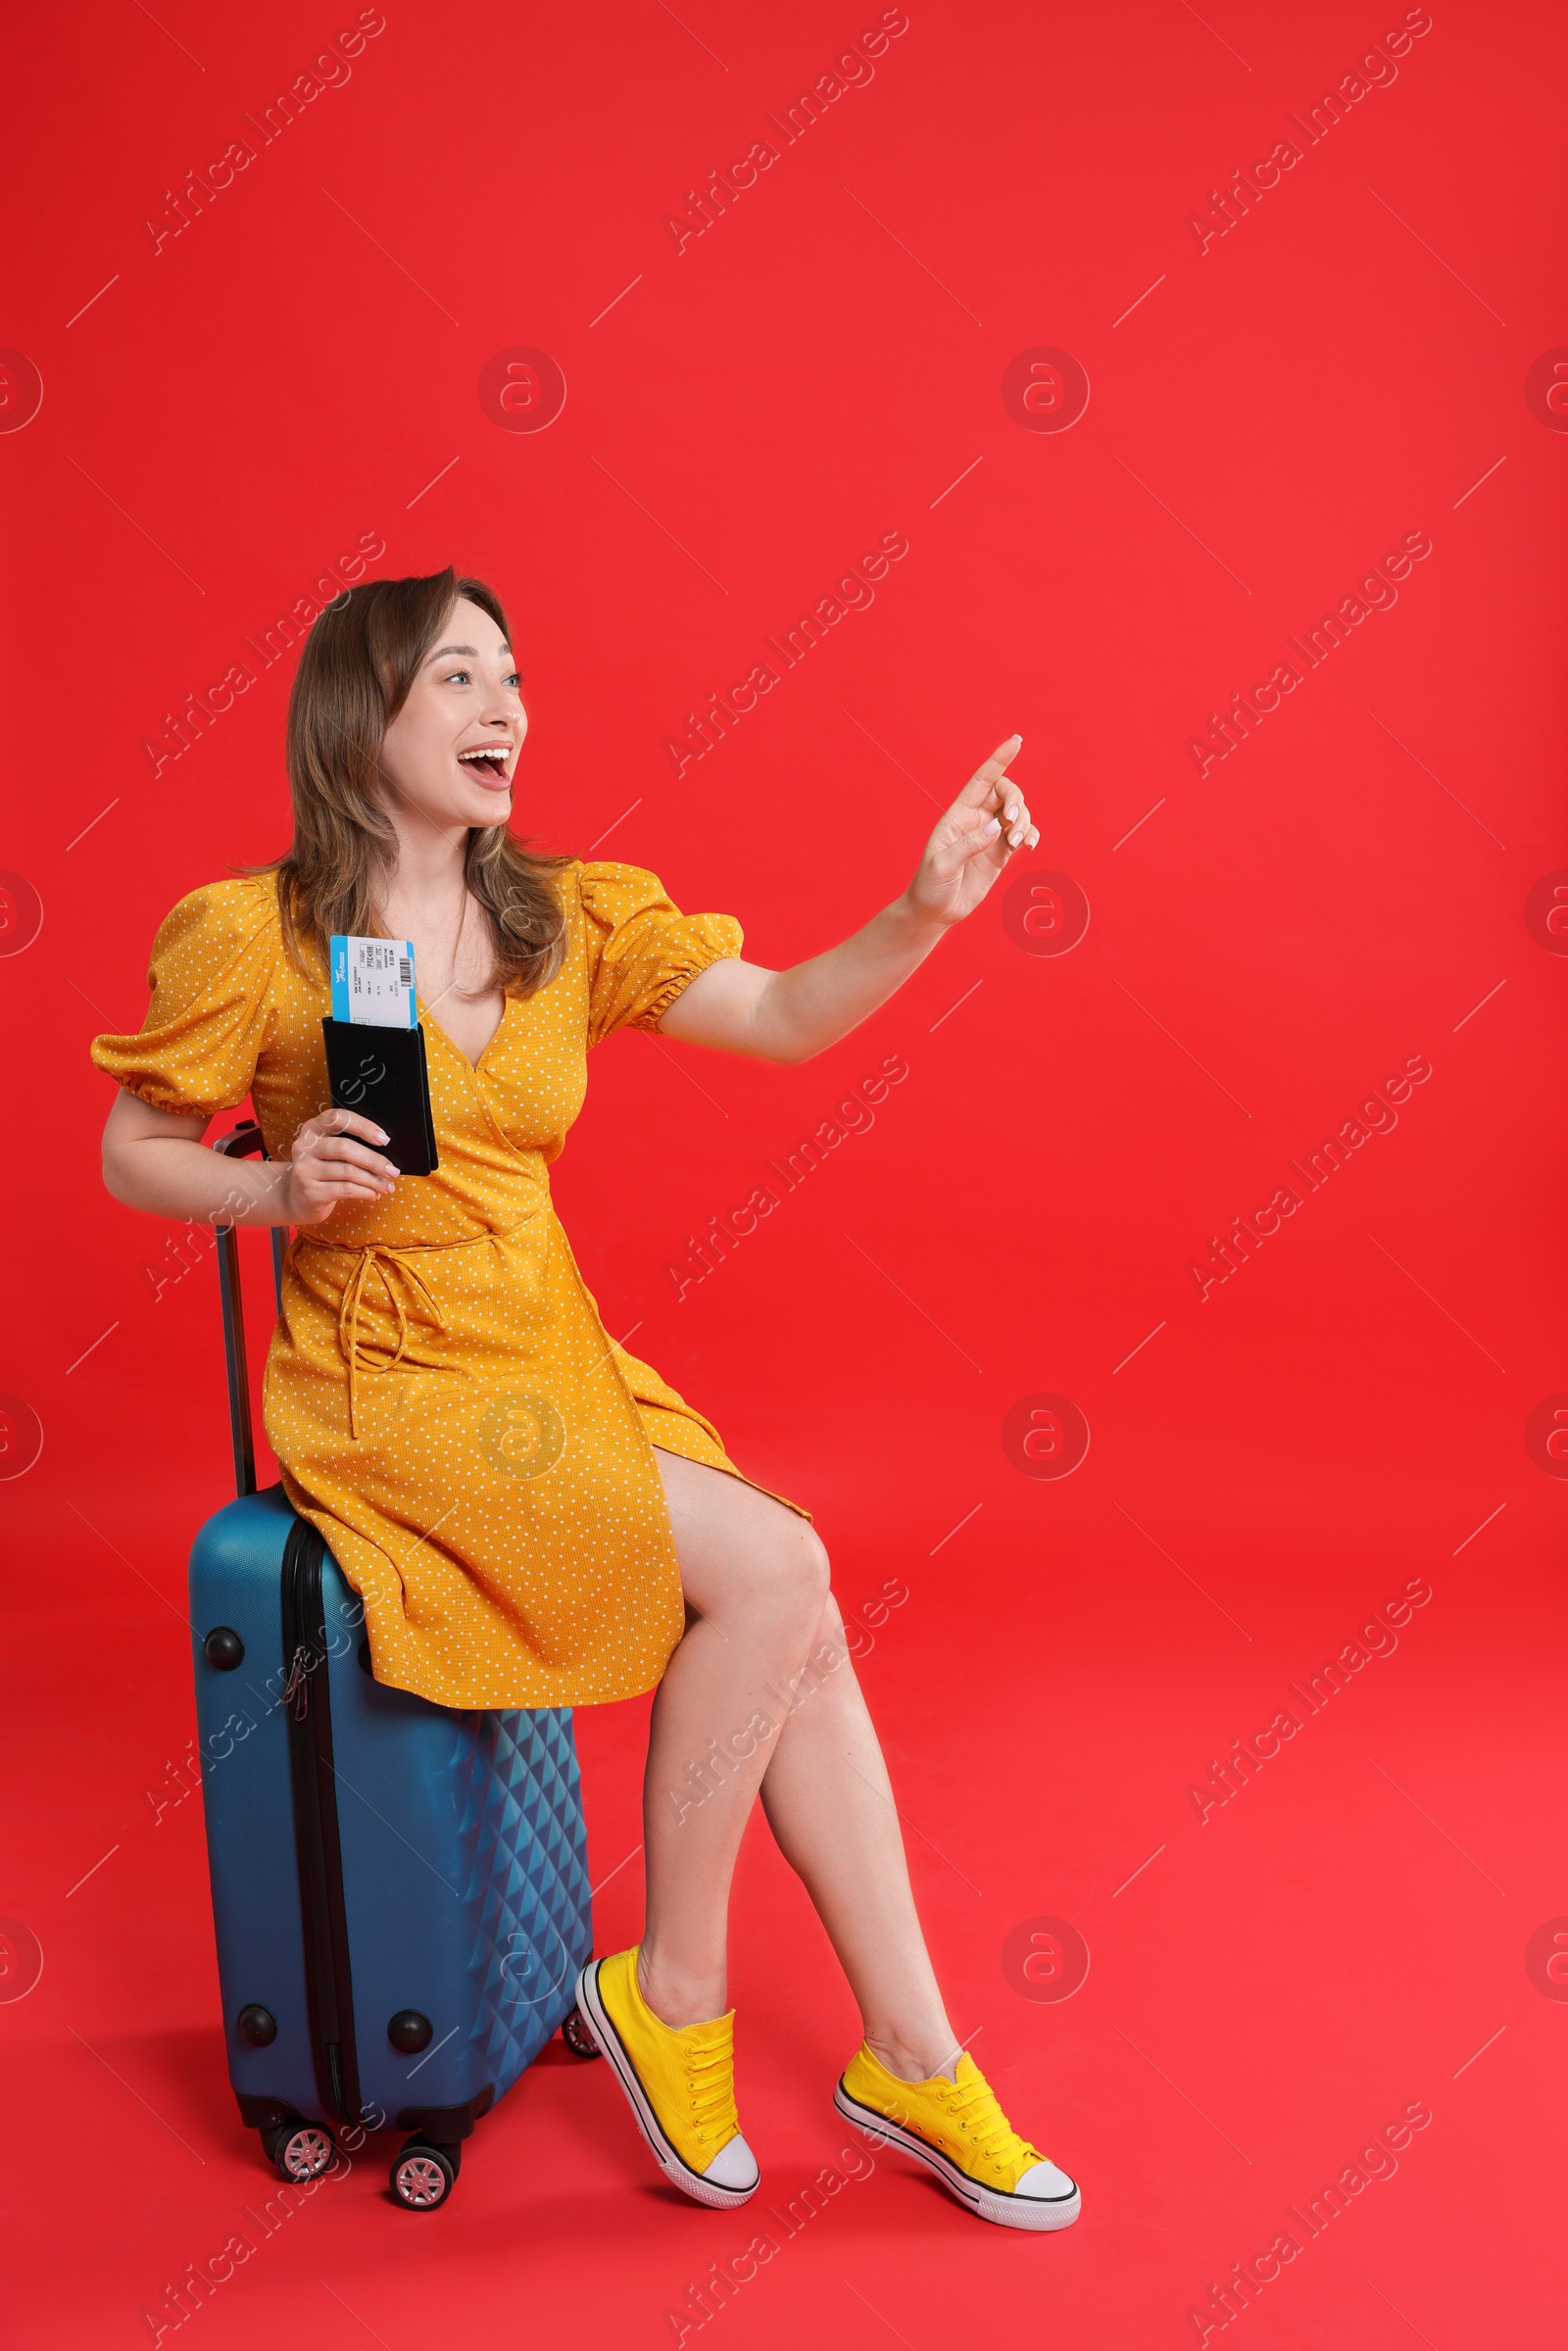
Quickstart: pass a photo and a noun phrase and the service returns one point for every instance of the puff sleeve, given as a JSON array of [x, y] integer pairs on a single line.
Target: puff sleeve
[[642, 950], [211, 1013]]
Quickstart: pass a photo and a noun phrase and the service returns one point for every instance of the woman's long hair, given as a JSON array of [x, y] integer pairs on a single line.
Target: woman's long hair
[[360, 660]]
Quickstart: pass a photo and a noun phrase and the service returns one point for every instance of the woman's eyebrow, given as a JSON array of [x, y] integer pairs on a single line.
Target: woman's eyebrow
[[472, 652]]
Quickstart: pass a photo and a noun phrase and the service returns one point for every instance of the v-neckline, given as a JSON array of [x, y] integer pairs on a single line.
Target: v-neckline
[[475, 1067]]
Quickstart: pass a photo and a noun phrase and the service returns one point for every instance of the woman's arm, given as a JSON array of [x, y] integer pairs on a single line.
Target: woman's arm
[[739, 1008], [157, 1160]]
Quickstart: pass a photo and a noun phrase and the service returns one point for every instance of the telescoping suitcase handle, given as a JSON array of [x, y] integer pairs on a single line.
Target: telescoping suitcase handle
[[243, 1143]]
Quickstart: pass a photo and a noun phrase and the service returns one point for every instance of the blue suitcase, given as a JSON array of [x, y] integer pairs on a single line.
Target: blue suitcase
[[400, 1891]]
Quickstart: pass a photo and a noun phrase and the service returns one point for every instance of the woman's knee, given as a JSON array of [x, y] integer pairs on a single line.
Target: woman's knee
[[741, 1552], [787, 1579], [798, 1575]]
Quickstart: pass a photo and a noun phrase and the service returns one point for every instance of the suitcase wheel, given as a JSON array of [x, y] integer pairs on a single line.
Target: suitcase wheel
[[578, 2037], [299, 2150], [423, 2175]]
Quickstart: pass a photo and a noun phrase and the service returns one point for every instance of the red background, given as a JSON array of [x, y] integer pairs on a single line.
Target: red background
[[1268, 417]]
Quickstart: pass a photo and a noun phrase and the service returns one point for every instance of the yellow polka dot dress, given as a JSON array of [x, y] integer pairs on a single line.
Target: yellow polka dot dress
[[441, 1393]]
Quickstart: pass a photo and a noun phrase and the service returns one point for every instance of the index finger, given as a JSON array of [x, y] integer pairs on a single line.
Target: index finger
[[987, 777], [337, 1121]]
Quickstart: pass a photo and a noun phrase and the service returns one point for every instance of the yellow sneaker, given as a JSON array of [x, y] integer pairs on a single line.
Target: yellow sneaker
[[679, 2081], [959, 2132]]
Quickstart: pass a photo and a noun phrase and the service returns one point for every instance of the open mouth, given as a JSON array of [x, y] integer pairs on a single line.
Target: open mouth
[[489, 765]]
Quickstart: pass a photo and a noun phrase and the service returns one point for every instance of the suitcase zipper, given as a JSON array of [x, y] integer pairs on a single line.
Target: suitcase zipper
[[296, 1691], [308, 1704]]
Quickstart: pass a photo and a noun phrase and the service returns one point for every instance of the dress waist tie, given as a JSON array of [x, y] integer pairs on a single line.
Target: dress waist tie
[[385, 1260]]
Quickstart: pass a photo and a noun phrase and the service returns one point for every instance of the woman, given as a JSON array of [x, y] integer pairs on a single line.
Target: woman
[[531, 1516]]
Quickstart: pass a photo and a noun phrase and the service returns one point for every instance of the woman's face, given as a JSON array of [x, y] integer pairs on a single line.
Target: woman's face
[[465, 700]]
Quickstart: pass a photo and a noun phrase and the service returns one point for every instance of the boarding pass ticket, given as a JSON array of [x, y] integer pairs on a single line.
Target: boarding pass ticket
[[373, 982]]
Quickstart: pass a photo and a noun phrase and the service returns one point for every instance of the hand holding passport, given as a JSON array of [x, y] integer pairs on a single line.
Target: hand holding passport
[[375, 1047]]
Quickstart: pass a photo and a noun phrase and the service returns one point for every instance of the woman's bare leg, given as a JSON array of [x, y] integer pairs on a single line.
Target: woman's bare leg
[[829, 1804], [754, 1579], [762, 1692]]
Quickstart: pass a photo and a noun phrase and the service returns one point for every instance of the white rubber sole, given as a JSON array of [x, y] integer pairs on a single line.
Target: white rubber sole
[[986, 2203], [595, 2017]]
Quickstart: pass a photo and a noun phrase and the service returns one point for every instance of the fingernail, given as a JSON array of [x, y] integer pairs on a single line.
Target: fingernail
[[1013, 840], [382, 1136], [1012, 813], [993, 827]]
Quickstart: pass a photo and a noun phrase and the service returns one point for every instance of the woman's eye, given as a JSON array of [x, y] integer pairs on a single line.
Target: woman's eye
[[454, 675]]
